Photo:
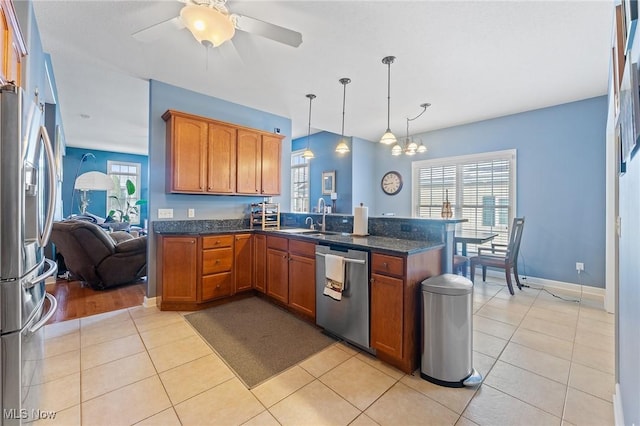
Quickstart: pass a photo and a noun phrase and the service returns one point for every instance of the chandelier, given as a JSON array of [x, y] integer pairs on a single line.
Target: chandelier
[[411, 147]]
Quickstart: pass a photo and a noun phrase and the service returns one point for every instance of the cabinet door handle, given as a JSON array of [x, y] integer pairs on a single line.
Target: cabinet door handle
[[385, 265], [218, 286], [217, 261]]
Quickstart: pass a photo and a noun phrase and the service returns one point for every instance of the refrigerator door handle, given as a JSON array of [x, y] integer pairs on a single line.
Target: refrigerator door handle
[[52, 310], [53, 268], [43, 239]]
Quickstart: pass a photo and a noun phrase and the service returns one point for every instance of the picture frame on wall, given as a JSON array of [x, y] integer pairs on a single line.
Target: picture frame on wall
[[629, 117], [328, 182]]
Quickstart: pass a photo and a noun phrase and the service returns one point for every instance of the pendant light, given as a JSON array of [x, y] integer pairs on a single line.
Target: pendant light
[[411, 147], [342, 147], [308, 154], [388, 138]]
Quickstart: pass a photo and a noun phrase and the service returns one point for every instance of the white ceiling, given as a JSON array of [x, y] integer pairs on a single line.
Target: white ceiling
[[472, 60]]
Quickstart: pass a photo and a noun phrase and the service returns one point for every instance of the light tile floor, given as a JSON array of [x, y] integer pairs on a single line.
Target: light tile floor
[[544, 360]]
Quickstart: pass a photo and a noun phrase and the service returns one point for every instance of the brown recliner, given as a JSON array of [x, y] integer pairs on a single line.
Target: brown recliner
[[98, 258]]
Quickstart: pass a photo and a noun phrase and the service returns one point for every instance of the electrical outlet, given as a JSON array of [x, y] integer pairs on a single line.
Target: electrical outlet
[[191, 213], [165, 213], [579, 267]]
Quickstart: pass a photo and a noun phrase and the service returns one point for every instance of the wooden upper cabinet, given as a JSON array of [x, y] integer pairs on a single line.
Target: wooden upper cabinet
[[12, 44], [249, 170], [221, 159], [186, 153], [214, 157], [271, 155]]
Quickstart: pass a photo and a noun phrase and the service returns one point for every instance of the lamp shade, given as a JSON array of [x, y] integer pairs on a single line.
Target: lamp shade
[[94, 181], [207, 24]]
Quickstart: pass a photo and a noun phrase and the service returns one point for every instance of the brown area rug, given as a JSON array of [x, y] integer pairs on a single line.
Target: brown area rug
[[256, 338]]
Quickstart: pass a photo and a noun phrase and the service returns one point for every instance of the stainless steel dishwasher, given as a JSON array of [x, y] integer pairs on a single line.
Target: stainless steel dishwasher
[[347, 318]]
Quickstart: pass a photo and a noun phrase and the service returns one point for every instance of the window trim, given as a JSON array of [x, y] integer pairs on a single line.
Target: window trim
[[138, 194], [509, 154], [306, 164]]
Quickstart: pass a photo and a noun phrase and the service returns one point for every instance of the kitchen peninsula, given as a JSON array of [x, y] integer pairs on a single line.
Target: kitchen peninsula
[[202, 263]]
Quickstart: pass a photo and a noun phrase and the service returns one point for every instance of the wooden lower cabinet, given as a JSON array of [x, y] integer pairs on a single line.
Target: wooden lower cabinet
[[395, 305], [278, 268], [260, 262], [217, 267], [386, 314], [302, 278], [178, 269], [243, 262]]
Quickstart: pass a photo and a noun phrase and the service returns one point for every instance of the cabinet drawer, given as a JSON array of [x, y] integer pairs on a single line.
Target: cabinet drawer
[[215, 286], [302, 248], [388, 265], [278, 243], [217, 241], [217, 260]]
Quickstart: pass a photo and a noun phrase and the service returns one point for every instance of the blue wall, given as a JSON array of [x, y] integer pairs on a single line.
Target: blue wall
[[98, 199], [364, 181], [326, 159], [560, 183], [163, 97]]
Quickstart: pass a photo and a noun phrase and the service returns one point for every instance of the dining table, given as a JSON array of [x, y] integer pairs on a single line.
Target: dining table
[[470, 237]]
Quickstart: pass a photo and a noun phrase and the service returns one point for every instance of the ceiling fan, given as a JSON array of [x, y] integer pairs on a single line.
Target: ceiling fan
[[212, 24]]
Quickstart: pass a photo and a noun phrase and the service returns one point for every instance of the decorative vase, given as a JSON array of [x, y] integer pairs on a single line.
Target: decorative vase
[[446, 212]]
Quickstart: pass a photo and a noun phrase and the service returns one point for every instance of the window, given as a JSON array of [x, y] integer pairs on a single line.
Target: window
[[480, 188], [299, 182], [120, 171]]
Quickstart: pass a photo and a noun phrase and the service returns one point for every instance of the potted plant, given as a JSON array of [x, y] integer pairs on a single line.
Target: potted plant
[[126, 205]]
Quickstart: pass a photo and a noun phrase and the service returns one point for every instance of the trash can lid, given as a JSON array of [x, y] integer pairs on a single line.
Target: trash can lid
[[449, 284]]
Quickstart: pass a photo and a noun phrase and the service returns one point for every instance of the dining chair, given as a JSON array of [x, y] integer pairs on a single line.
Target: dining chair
[[460, 264], [498, 257]]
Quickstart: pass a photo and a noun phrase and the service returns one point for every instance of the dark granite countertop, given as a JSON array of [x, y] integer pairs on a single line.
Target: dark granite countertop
[[370, 242]]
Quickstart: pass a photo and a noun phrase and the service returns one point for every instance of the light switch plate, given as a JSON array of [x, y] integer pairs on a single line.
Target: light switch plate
[[191, 213], [165, 213]]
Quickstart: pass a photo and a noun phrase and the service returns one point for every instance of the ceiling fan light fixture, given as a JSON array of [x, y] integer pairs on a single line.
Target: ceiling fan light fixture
[[207, 24]]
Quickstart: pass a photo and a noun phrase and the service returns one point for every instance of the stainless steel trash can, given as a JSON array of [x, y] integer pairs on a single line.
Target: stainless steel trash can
[[447, 331]]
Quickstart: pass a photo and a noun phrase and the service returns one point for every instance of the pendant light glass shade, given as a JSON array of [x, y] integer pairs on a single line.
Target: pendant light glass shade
[[342, 147], [421, 148], [308, 154], [388, 138], [396, 150]]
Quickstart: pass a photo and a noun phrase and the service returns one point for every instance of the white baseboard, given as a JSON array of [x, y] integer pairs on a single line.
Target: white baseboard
[[585, 290], [618, 414], [150, 302]]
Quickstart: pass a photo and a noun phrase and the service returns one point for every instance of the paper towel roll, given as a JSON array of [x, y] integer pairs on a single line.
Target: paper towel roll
[[361, 220]]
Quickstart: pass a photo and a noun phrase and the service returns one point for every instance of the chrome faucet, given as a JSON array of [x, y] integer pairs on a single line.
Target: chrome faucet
[[306, 221], [322, 203]]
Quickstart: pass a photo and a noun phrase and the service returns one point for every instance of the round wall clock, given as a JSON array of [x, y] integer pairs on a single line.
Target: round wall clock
[[391, 183]]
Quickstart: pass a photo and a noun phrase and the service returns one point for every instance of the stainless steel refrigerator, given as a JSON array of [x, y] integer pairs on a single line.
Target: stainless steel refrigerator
[[27, 198]]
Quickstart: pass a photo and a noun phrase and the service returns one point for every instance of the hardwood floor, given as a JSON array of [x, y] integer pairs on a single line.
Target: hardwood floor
[[76, 301]]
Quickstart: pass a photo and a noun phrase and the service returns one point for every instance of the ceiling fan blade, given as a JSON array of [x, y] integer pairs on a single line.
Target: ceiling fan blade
[[268, 30], [158, 30]]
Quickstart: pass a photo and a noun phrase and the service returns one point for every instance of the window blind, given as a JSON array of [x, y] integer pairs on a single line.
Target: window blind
[[481, 189]]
